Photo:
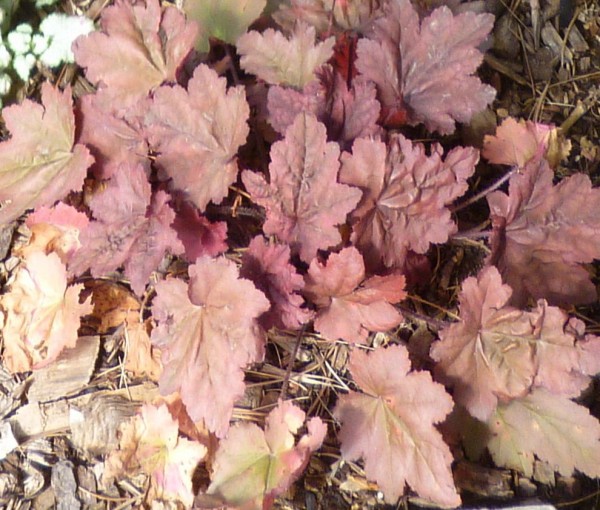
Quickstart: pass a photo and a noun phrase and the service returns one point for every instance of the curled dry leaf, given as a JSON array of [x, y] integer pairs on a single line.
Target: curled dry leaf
[[349, 305], [42, 313], [150, 444], [390, 424]]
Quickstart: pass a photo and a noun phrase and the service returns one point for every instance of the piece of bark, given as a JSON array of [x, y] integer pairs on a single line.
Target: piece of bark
[[68, 374], [64, 485]]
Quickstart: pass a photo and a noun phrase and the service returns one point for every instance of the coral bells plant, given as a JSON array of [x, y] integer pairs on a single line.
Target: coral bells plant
[[252, 183]]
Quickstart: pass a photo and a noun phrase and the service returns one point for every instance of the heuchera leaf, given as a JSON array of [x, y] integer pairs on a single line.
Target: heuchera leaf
[[303, 199], [199, 235], [207, 333], [391, 426], [150, 443], [425, 68], [42, 314], [280, 61], [252, 467], [225, 20], [542, 233], [140, 47], [516, 142], [40, 164], [405, 194], [348, 113], [350, 306], [197, 134], [113, 138], [553, 428], [131, 228], [268, 266], [345, 15], [497, 352]]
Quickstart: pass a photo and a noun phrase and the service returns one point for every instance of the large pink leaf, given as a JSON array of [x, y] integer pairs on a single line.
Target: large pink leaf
[[268, 266], [252, 467], [207, 333], [40, 164], [140, 47], [280, 61], [349, 305], [197, 134], [42, 314], [405, 194], [497, 352], [131, 228], [391, 426], [303, 199], [542, 233], [551, 428], [424, 69]]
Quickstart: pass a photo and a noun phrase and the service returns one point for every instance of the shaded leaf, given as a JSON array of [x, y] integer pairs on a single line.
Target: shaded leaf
[[405, 194], [131, 228], [391, 426], [280, 61], [349, 305], [40, 163], [252, 466], [197, 134], [268, 266], [207, 334], [424, 69], [140, 46], [303, 199], [42, 314]]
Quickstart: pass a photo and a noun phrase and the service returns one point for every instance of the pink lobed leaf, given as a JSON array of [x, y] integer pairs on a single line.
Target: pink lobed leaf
[[543, 232], [553, 428], [42, 314], [252, 466], [140, 46], [303, 199], [405, 194], [497, 352], [424, 69], [268, 266], [280, 61], [40, 163], [349, 305], [391, 426], [131, 228], [197, 134], [207, 333]]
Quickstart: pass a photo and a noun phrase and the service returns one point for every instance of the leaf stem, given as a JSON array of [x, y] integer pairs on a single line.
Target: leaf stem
[[484, 192], [288, 371]]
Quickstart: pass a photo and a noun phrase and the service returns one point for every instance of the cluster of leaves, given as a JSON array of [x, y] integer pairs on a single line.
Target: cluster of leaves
[[161, 138]]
